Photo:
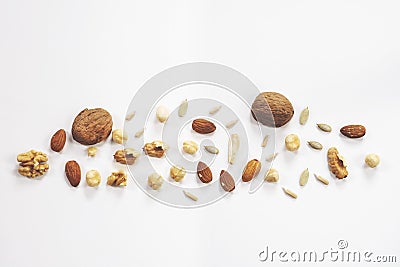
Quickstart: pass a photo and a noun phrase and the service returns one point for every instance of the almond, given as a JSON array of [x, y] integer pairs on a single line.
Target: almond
[[251, 170], [353, 131], [58, 140], [73, 172], [203, 126], [226, 181], [204, 173]]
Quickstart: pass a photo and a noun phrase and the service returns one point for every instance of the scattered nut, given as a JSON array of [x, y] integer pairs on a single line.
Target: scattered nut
[[372, 160], [162, 114], [251, 170], [211, 149], [203, 126], [272, 109], [58, 140], [130, 116], [226, 181], [190, 195], [183, 108], [353, 131], [139, 133], [272, 157], [231, 123], [155, 181], [304, 177], [118, 136], [118, 178], [292, 142], [265, 141], [155, 149], [204, 173], [321, 179], [336, 163], [177, 173], [73, 172], [92, 126], [214, 110], [93, 178], [190, 147], [233, 148], [127, 156], [304, 116], [32, 164], [272, 176], [324, 127], [92, 151], [289, 193], [314, 144]]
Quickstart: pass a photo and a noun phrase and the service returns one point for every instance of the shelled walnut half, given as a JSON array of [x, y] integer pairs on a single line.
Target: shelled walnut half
[[126, 156], [117, 179], [32, 163], [336, 163], [155, 149]]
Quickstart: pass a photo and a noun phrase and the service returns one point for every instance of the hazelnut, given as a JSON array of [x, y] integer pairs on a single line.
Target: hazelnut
[[155, 181], [93, 178], [190, 147], [292, 142], [372, 160], [272, 109]]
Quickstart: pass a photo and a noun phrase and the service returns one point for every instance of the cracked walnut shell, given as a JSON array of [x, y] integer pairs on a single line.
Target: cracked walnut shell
[[337, 164], [32, 164]]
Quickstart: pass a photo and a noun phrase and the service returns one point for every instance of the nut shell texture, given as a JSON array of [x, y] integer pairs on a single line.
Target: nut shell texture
[[92, 126], [272, 109]]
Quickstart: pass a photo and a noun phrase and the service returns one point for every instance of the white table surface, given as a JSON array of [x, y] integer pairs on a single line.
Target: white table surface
[[339, 58]]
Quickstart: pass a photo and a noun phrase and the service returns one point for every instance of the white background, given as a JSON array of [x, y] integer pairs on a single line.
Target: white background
[[340, 58]]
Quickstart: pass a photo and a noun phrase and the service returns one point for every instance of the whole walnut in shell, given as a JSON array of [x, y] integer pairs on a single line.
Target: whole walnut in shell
[[272, 109], [92, 126]]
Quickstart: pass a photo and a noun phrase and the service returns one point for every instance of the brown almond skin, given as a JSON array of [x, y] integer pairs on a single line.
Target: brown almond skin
[[204, 173], [73, 172], [251, 170], [203, 126], [226, 181], [58, 140], [353, 131]]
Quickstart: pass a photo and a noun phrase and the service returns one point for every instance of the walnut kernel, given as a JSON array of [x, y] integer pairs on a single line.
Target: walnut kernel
[[32, 163], [92, 151], [118, 136], [117, 179], [177, 173]]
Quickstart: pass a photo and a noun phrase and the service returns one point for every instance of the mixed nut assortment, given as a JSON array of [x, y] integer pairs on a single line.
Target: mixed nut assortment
[[92, 126]]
